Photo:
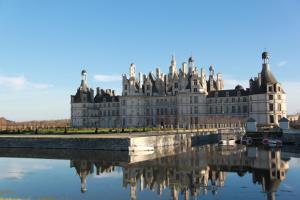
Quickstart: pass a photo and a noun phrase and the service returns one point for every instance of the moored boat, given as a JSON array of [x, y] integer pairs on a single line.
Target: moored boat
[[272, 142]]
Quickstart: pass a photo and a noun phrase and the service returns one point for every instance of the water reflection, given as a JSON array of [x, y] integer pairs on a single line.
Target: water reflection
[[194, 172]]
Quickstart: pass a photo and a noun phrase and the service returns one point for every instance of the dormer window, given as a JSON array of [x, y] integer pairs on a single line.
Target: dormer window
[[148, 87], [270, 89], [176, 85], [195, 82]]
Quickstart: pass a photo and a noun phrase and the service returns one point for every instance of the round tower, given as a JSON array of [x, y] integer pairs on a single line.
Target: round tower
[[84, 75], [265, 57]]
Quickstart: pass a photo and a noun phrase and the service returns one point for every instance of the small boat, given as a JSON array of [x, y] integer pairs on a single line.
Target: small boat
[[227, 142], [247, 140], [272, 142]]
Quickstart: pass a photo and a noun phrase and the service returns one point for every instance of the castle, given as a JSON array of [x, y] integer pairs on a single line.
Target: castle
[[183, 98]]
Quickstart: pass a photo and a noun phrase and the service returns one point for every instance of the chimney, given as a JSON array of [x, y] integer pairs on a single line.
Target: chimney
[[184, 65], [259, 79]]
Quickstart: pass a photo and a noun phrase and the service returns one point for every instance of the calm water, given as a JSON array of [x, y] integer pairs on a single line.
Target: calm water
[[207, 172]]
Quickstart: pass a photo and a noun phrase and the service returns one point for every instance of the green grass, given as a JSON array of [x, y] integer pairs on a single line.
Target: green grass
[[77, 130], [69, 130]]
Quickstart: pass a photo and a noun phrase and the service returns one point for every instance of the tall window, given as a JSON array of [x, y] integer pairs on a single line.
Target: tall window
[[195, 99], [195, 82], [271, 107], [195, 90], [279, 107], [270, 97], [245, 109], [279, 97], [196, 109], [271, 119], [233, 109]]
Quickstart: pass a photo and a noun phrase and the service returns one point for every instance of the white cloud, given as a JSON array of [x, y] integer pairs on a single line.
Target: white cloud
[[114, 174], [282, 63], [20, 82], [12, 168], [293, 96], [107, 78], [41, 85], [16, 82]]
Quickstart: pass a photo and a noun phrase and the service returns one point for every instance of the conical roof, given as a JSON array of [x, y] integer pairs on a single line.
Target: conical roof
[[267, 76]]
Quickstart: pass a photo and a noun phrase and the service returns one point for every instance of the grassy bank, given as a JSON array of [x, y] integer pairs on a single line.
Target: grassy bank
[[68, 130]]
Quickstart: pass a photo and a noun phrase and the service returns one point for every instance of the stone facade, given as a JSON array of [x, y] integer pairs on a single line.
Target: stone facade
[[182, 98]]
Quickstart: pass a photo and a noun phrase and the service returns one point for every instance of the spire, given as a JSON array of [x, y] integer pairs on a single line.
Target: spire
[[84, 75], [173, 61], [84, 85], [173, 69], [211, 70], [266, 75], [132, 70]]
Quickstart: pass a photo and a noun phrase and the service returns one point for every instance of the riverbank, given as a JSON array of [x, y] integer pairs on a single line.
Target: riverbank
[[143, 141]]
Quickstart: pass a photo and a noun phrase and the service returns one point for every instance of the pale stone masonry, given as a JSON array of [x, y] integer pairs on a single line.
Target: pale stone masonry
[[182, 98]]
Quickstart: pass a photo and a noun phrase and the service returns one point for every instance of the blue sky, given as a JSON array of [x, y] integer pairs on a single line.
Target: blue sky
[[45, 44]]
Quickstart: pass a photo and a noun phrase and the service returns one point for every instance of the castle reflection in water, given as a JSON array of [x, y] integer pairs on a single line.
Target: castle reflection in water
[[194, 172]]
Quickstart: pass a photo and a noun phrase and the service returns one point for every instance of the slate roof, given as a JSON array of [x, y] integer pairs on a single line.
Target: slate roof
[[251, 120], [284, 119], [99, 98], [79, 93], [231, 93], [266, 76]]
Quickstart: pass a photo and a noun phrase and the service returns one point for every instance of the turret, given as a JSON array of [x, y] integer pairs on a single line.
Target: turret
[[158, 73], [191, 64], [220, 84], [172, 69], [84, 84], [184, 66], [266, 75], [98, 90], [84, 76], [132, 70], [211, 71], [140, 79]]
